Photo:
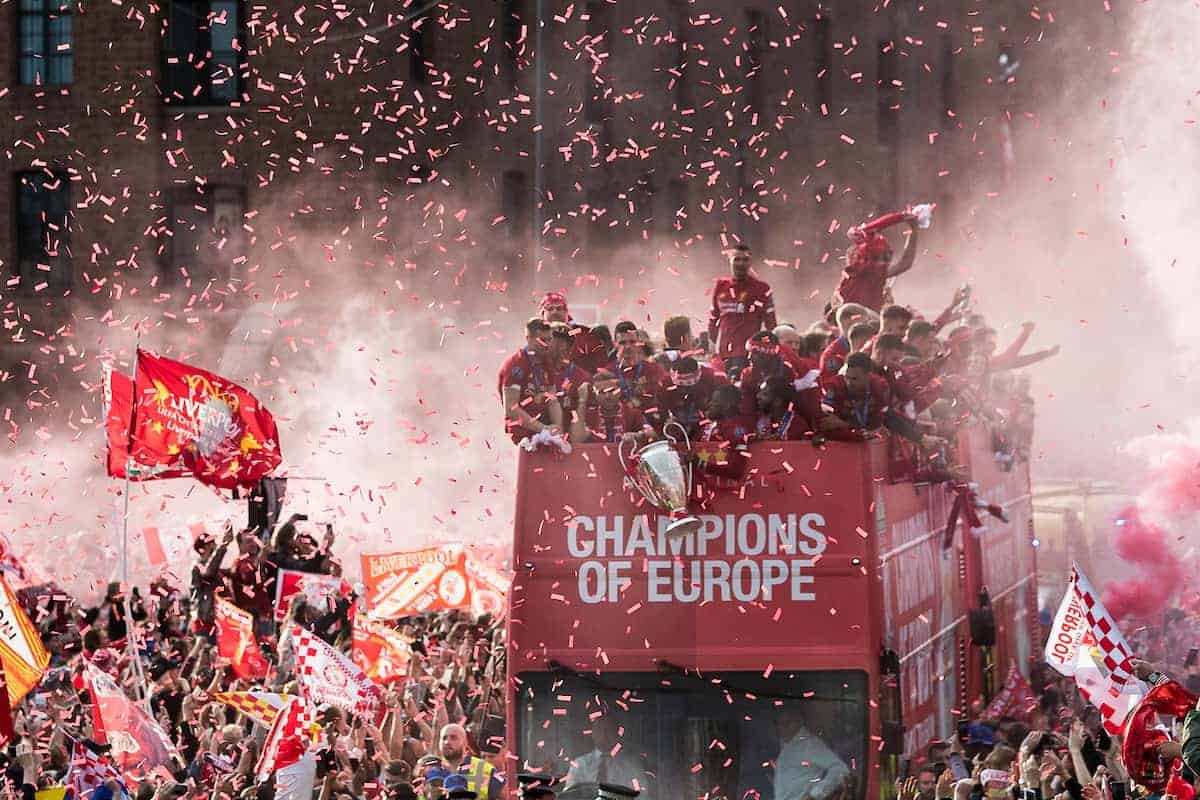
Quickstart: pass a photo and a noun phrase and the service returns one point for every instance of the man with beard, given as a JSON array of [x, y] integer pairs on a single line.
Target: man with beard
[[590, 351], [834, 355], [766, 361], [567, 377], [641, 380], [742, 305], [778, 415], [526, 388], [607, 416], [725, 422], [686, 398], [482, 778], [856, 400]]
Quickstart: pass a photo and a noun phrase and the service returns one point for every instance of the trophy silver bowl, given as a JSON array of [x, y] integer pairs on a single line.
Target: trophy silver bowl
[[661, 475]]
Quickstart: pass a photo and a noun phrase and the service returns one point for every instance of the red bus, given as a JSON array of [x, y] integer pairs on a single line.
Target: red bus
[[813, 630]]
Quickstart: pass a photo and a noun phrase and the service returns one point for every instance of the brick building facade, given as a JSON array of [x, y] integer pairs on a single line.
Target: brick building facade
[[177, 157]]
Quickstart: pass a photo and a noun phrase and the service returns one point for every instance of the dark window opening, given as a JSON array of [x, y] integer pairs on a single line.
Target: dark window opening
[[514, 46], [887, 95], [514, 199], [43, 230], [47, 57], [207, 238], [204, 54], [756, 38], [421, 49], [823, 73]]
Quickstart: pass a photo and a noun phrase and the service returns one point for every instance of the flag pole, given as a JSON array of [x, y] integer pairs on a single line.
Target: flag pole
[[130, 642]]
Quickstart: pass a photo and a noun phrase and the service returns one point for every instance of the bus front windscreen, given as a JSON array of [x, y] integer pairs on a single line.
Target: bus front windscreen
[[780, 736]]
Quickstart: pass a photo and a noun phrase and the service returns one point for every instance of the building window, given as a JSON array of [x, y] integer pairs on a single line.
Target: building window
[[823, 64], [514, 39], [204, 53], [756, 39], [206, 232], [43, 230], [420, 49], [47, 58], [595, 103], [887, 94], [949, 100], [514, 202]]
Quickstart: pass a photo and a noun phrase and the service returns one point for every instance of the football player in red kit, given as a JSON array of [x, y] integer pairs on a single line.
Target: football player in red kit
[[869, 261], [725, 423], [608, 417], [742, 305], [590, 352], [526, 387], [641, 380], [856, 400], [685, 399]]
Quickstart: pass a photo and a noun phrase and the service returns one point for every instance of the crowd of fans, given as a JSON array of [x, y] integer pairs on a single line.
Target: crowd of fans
[[440, 737], [870, 367]]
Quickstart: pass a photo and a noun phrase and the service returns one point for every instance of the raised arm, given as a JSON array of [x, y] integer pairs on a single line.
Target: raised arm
[[1027, 360], [910, 251]]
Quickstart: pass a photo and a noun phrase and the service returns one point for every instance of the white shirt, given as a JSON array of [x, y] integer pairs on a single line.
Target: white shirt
[[622, 770], [807, 769]]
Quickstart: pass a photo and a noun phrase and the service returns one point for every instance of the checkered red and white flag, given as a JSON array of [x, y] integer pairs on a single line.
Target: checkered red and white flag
[[1086, 644], [87, 772], [327, 676], [288, 739]]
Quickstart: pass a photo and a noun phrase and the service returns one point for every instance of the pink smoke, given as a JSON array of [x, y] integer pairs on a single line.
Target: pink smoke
[[1173, 486], [1157, 571]]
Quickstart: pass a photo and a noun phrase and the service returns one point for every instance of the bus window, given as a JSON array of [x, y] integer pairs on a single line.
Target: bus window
[[791, 736]]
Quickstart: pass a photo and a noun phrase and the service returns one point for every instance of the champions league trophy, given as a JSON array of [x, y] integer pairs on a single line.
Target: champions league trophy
[[658, 472]]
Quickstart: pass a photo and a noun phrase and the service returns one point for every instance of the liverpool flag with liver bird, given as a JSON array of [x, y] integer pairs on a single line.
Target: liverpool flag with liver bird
[[188, 418]]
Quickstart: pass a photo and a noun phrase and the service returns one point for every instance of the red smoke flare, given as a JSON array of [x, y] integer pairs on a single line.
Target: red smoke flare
[[1158, 573]]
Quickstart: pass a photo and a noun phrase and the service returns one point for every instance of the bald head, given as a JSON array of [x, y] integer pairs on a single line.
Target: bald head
[[452, 743]]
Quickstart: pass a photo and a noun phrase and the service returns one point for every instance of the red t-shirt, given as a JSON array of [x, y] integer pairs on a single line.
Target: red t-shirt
[[610, 426], [526, 371], [833, 357], [731, 430], [687, 405], [862, 413], [751, 379], [590, 353], [641, 383], [863, 284], [566, 378], [740, 309]]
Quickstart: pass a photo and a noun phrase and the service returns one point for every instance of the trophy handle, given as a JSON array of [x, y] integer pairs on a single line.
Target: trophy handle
[[621, 457], [687, 460], [682, 430]]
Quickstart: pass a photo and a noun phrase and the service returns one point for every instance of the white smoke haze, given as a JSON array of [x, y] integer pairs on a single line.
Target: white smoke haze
[[384, 386]]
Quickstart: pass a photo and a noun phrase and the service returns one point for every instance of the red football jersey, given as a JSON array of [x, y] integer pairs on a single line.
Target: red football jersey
[[740, 309]]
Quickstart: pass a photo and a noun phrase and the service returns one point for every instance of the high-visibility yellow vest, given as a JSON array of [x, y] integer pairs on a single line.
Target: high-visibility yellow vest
[[478, 772]]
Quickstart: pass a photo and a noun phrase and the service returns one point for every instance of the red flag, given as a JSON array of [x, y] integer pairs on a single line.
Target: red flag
[[188, 417], [235, 641], [139, 744], [118, 418], [326, 675], [6, 721], [379, 651], [287, 741]]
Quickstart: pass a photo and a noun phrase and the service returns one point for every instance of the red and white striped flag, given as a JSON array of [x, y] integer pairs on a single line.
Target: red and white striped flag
[[87, 772], [288, 739], [326, 675], [1086, 644]]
